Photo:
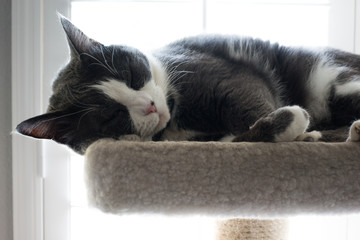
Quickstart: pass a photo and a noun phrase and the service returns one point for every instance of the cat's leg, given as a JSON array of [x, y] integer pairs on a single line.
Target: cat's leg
[[283, 125], [342, 134], [344, 106], [312, 136], [335, 135]]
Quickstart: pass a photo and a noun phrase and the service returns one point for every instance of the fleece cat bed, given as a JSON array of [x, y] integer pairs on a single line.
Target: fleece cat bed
[[223, 179]]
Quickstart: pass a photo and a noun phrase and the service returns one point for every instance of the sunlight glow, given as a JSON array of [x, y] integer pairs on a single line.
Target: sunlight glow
[[145, 25]]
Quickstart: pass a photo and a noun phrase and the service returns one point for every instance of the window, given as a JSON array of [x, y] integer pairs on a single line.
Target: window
[[50, 193]]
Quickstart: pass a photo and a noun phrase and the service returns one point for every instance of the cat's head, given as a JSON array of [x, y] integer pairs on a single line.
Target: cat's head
[[103, 92]]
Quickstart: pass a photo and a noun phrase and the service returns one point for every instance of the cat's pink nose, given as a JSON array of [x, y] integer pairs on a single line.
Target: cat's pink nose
[[151, 108]]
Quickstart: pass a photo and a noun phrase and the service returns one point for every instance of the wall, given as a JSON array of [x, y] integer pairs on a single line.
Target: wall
[[6, 230]]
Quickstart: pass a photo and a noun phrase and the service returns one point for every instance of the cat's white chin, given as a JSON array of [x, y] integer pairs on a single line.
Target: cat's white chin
[[163, 120], [152, 124]]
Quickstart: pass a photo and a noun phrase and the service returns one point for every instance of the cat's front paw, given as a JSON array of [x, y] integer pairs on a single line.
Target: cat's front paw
[[299, 122], [312, 136], [130, 137], [354, 133]]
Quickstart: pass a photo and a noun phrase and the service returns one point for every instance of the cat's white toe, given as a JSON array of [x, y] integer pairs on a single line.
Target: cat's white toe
[[354, 133], [312, 136], [298, 125]]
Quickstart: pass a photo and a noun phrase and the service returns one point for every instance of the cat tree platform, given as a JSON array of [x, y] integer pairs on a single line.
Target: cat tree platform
[[223, 179]]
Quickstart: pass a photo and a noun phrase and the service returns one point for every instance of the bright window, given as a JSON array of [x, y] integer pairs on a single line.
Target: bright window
[[151, 24]]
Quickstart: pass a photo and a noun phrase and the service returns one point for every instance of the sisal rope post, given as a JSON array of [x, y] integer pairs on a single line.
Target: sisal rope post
[[252, 229]]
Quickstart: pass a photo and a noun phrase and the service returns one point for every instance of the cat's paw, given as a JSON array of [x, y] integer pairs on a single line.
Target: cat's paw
[[354, 133], [298, 125], [227, 138], [312, 136], [130, 137]]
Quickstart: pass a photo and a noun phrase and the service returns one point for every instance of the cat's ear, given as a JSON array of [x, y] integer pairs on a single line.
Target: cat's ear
[[45, 126], [79, 43]]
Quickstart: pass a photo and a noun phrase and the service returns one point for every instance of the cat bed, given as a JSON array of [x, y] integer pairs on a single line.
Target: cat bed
[[223, 179]]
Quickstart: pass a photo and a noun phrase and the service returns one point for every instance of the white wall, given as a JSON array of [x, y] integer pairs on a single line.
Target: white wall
[[5, 122]]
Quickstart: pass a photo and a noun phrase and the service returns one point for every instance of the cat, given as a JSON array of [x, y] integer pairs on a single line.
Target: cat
[[205, 88]]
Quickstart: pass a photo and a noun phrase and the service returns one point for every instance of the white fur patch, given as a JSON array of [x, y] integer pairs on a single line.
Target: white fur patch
[[159, 73], [117, 91], [243, 49], [321, 78], [228, 138], [137, 103], [240, 49], [354, 133], [348, 88], [297, 127], [312, 136]]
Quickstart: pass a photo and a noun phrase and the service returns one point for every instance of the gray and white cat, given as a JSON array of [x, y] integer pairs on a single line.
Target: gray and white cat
[[201, 88]]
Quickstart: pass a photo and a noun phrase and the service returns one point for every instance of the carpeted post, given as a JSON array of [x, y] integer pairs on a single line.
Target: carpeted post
[[252, 229]]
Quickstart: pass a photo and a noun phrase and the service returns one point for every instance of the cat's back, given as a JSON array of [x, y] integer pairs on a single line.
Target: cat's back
[[230, 47]]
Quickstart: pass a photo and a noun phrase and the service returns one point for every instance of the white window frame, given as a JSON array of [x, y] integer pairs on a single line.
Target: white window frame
[[26, 64], [39, 200], [38, 205], [357, 27]]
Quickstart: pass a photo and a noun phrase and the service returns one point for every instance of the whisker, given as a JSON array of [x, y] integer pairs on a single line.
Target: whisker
[[59, 117], [99, 63], [75, 101], [82, 116], [67, 115], [112, 61], [106, 62], [102, 65]]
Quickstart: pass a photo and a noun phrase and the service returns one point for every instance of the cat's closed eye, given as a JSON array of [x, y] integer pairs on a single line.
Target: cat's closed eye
[[118, 113], [114, 112], [115, 121], [126, 75]]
